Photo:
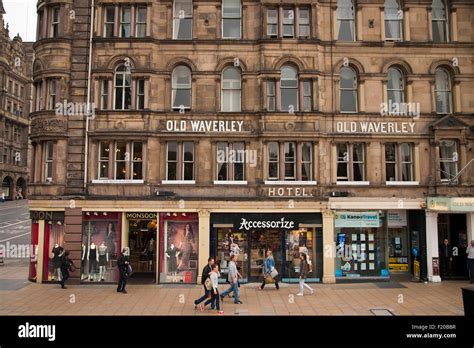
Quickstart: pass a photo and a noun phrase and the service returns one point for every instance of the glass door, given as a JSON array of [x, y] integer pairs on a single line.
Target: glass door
[[260, 242]]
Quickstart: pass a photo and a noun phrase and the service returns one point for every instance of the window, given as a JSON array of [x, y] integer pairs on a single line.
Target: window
[[348, 90], [443, 91], [10, 88], [439, 21], [297, 161], [290, 161], [288, 22], [231, 17], [140, 22], [39, 25], [137, 160], [39, 96], [350, 162], [5, 155], [104, 153], [395, 87], [345, 20], [7, 132], [180, 161], [109, 21], [104, 94], [230, 161], [52, 94], [182, 19], [125, 17], [448, 157], [303, 23], [48, 161], [121, 157], [9, 106], [140, 94], [54, 22], [271, 95], [123, 88], [398, 162], [307, 95], [393, 16], [289, 89], [231, 90], [181, 85], [272, 22]]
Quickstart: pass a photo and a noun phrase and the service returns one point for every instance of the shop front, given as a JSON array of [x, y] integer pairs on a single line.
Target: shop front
[[251, 235]]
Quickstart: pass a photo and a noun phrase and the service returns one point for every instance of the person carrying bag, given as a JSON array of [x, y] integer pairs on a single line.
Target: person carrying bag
[[270, 273]]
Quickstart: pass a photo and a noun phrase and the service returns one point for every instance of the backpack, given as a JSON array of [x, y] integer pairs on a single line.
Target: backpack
[[208, 284]]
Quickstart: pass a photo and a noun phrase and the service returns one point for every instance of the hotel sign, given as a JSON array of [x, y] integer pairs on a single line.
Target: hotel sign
[[204, 126], [456, 204], [289, 192], [376, 127]]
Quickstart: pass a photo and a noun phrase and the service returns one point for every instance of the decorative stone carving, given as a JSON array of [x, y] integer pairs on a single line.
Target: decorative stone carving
[[39, 126]]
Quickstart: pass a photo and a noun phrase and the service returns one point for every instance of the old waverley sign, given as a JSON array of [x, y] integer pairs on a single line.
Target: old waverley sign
[[376, 127], [204, 126]]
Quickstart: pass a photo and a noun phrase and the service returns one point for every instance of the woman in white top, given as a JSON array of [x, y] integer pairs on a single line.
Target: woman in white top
[[470, 260], [214, 276]]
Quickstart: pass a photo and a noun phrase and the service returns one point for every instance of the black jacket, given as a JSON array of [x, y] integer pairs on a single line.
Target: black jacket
[[205, 273], [445, 251], [122, 265]]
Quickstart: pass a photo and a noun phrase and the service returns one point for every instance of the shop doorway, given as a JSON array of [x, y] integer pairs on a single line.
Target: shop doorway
[[452, 228], [142, 242], [260, 242]]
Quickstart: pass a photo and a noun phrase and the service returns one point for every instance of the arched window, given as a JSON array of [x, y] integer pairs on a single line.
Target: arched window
[[345, 20], [182, 19], [393, 16], [230, 90], [443, 91], [395, 86], [231, 16], [439, 20], [348, 90], [123, 88], [288, 89], [181, 96]]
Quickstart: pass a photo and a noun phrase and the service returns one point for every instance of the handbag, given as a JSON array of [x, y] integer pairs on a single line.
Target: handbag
[[273, 273], [269, 279], [208, 284]]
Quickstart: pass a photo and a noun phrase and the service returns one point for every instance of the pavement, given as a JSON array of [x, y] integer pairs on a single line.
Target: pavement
[[400, 296]]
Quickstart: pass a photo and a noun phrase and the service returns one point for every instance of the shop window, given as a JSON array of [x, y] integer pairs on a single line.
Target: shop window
[[231, 90], [227, 243], [393, 16], [350, 162], [54, 249], [297, 161], [271, 95], [443, 91], [399, 162], [125, 19], [230, 161], [439, 21], [231, 19], [448, 157], [123, 88], [181, 88], [345, 20], [100, 246], [109, 21], [140, 21], [398, 252], [55, 20], [299, 241], [348, 90], [182, 19], [288, 89], [180, 161], [180, 249]]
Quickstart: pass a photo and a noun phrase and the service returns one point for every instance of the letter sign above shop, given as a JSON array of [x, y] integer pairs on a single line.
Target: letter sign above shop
[[357, 219], [141, 216]]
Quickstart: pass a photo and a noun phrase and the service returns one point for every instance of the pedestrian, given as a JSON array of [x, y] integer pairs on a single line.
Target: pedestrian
[[123, 264], [446, 256], [269, 271], [206, 271], [66, 266], [214, 292], [470, 260], [2, 197], [304, 270], [233, 280]]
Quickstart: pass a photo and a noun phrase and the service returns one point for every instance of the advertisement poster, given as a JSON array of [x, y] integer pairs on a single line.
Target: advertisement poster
[[181, 252]]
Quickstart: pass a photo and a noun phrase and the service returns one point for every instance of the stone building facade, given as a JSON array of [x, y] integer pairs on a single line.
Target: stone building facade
[[15, 82], [310, 126]]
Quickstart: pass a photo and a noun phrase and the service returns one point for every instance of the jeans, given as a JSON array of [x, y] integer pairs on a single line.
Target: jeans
[[235, 288], [470, 265], [65, 276], [203, 298], [304, 285], [214, 301], [122, 282]]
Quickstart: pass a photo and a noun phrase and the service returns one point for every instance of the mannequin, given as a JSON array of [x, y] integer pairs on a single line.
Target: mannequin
[[93, 258], [103, 260], [57, 253], [172, 255], [83, 261]]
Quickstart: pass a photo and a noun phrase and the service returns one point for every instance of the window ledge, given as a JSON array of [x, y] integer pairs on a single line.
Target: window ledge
[[402, 183], [112, 181], [178, 182], [353, 183], [230, 182], [282, 182]]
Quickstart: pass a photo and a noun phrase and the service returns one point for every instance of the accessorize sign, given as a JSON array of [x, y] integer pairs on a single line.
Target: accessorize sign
[[144, 216], [356, 219], [204, 126], [252, 224], [375, 127]]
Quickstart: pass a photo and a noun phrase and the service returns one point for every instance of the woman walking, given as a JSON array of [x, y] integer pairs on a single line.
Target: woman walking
[[66, 266], [214, 300], [304, 269], [269, 271]]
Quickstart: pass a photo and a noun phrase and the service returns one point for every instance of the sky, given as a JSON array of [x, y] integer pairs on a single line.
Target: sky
[[21, 17]]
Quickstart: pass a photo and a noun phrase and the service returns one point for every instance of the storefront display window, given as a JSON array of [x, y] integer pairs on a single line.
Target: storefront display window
[[397, 240], [34, 249], [142, 242], [230, 243], [297, 242], [180, 248], [54, 249], [100, 246]]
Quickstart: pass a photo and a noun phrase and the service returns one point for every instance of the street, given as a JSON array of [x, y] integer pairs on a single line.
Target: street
[[15, 225]]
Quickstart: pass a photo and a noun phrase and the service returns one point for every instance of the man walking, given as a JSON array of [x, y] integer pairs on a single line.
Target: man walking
[[446, 256], [123, 263], [205, 274], [233, 280], [470, 260]]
